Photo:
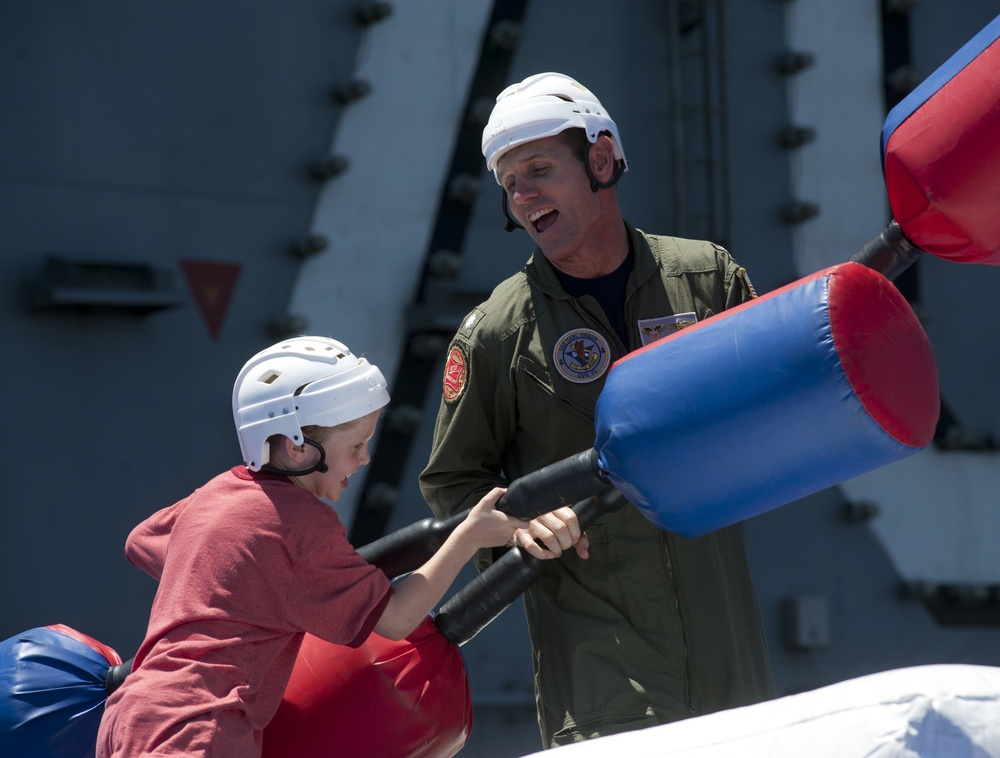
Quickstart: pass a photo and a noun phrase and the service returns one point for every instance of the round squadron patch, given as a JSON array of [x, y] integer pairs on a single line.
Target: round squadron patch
[[456, 371], [582, 355]]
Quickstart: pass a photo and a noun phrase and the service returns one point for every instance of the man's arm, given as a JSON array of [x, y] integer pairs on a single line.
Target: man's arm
[[465, 459], [739, 289]]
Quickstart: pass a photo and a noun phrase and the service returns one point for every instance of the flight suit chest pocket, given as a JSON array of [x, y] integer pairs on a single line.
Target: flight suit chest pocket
[[553, 407]]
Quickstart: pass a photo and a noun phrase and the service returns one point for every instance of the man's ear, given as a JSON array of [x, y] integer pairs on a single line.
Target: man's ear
[[602, 159]]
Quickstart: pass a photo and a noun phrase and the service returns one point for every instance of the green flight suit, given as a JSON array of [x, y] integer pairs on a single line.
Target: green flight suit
[[653, 627]]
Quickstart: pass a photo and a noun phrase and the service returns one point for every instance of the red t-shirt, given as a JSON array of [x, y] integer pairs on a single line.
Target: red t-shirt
[[247, 564]]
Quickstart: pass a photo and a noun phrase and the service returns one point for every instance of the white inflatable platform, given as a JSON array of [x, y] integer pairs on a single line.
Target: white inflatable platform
[[936, 711]]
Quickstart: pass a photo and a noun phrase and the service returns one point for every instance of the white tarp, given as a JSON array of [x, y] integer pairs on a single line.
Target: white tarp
[[946, 711]]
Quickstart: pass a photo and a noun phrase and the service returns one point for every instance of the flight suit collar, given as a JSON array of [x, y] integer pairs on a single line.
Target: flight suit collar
[[542, 274]]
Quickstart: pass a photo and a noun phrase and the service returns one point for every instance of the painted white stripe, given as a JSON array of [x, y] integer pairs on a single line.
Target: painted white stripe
[[841, 97], [378, 215]]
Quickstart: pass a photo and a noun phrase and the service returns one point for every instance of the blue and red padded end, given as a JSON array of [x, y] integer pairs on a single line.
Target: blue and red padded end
[[941, 156], [52, 680], [386, 698], [801, 389]]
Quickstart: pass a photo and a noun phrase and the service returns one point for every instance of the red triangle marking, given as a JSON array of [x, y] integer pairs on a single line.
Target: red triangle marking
[[212, 284]]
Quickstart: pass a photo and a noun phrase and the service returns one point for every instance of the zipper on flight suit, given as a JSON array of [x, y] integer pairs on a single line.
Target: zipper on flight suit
[[599, 321], [671, 577], [688, 697]]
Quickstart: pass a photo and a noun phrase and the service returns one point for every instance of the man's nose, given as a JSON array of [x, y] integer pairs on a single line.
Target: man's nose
[[524, 190]]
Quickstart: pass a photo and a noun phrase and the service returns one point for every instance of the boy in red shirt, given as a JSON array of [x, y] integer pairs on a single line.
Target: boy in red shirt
[[253, 560]]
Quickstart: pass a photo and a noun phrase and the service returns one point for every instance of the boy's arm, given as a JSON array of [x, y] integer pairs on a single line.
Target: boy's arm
[[420, 591], [146, 546]]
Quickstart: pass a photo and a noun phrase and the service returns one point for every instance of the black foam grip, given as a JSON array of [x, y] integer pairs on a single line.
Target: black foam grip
[[567, 481], [480, 601], [116, 675], [561, 483], [409, 548], [890, 252]]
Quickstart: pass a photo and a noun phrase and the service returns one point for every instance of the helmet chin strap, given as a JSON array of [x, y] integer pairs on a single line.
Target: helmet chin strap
[[595, 185], [511, 224], [319, 466]]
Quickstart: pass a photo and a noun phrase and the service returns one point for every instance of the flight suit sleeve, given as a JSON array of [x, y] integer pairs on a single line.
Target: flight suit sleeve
[[465, 460], [736, 280]]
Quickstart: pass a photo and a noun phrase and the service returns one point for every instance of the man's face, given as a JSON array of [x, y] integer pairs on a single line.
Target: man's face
[[548, 191]]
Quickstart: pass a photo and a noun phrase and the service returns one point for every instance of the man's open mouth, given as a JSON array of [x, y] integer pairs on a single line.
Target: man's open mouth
[[543, 218]]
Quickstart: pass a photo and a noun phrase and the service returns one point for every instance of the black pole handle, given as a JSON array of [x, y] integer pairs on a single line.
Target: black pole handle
[[473, 607], [561, 483], [116, 675], [409, 548], [890, 252]]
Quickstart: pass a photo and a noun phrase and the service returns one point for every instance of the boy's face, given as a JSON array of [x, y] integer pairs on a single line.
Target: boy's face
[[346, 451]]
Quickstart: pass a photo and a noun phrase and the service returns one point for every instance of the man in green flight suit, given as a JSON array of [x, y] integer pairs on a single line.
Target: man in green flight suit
[[636, 626]]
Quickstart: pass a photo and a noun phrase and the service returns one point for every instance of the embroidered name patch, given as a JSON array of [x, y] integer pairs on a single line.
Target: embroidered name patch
[[582, 355], [653, 329], [456, 372]]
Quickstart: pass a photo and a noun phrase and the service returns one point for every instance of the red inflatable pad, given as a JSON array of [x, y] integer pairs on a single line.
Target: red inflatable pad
[[106, 651], [384, 699], [941, 156], [885, 354]]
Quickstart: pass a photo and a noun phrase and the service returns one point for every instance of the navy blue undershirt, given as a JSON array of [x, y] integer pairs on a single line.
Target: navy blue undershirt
[[607, 290]]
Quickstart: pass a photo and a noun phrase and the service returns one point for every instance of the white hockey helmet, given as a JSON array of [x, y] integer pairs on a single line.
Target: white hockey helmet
[[544, 105], [299, 382]]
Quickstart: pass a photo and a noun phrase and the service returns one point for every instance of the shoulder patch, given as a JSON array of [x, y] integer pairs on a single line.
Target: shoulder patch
[[581, 355], [745, 278], [456, 374]]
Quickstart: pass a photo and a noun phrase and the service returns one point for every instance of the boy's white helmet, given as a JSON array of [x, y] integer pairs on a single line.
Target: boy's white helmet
[[544, 105], [300, 382]]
